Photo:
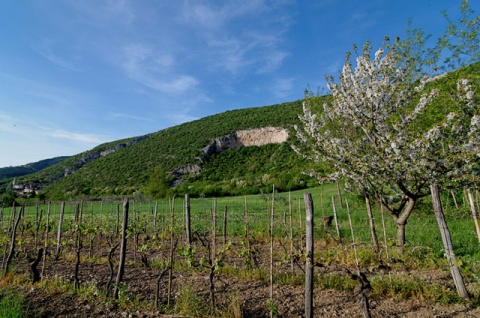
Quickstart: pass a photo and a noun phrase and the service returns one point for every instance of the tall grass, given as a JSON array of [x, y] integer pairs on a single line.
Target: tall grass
[[421, 230], [11, 304]]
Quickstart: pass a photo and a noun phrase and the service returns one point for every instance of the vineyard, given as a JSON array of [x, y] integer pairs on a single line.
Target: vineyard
[[230, 257]]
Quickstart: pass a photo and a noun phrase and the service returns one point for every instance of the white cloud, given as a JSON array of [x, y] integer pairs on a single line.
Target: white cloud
[[115, 116], [73, 136], [154, 70], [104, 12], [237, 39], [282, 87], [46, 50]]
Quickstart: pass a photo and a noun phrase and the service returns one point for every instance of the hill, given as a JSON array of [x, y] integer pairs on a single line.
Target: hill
[[237, 152], [18, 171], [209, 156]]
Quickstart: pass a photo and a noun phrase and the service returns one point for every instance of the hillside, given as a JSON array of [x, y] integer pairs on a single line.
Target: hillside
[[18, 171], [151, 164], [237, 152]]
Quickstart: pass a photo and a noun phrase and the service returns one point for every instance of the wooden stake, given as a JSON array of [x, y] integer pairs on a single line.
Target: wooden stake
[[309, 260], [272, 218], [471, 202], [337, 228], [371, 222], [155, 218], [339, 194], [224, 225], [353, 236], [123, 248], [187, 222], [384, 232], [172, 247], [45, 246], [292, 269], [447, 243], [214, 228], [59, 229]]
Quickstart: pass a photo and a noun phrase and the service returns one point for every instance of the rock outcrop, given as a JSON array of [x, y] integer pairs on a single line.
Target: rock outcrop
[[250, 137], [96, 155]]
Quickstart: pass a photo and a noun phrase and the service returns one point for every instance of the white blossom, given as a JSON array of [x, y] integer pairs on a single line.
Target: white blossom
[[370, 132]]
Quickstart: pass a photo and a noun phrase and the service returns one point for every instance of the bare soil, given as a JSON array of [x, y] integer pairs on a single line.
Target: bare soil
[[235, 297]]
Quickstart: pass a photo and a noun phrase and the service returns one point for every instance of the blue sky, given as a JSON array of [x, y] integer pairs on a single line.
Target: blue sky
[[74, 74]]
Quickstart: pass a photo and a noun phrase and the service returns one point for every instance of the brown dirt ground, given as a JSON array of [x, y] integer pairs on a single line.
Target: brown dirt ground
[[233, 295]]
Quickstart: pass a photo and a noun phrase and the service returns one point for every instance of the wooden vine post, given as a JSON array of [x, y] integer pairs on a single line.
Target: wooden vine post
[[38, 221], [59, 230], [309, 260], [447, 243], [213, 256], [155, 213], [45, 246], [292, 261], [118, 220], [272, 219], [247, 235], [187, 222], [172, 247], [224, 225], [371, 223], [214, 228], [78, 247], [123, 248], [335, 218], [339, 194], [471, 201]]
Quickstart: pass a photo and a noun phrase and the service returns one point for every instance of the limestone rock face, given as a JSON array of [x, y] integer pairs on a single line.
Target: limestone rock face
[[262, 136], [249, 137]]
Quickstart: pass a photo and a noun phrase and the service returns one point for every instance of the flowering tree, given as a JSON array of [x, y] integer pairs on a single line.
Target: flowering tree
[[391, 135], [462, 37]]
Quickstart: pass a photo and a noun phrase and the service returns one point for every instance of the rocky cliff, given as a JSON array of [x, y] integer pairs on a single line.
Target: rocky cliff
[[249, 137]]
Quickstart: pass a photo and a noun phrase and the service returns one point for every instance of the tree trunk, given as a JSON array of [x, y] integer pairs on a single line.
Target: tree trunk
[[33, 266], [401, 221], [447, 243]]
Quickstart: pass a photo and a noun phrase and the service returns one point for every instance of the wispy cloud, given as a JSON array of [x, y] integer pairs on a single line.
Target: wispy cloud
[[180, 117], [104, 12], [73, 136], [20, 126], [115, 116], [282, 87], [236, 42], [46, 50], [153, 70]]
